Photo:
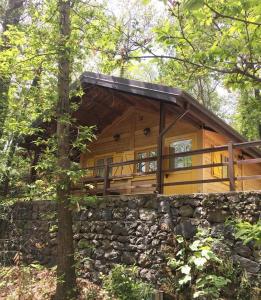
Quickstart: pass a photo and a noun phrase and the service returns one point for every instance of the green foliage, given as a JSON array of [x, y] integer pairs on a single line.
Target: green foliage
[[247, 232], [194, 266], [209, 42], [123, 284], [248, 117]]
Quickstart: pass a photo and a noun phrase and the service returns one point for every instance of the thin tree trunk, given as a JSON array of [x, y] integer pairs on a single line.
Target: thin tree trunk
[[12, 17], [6, 177], [5, 182], [66, 278]]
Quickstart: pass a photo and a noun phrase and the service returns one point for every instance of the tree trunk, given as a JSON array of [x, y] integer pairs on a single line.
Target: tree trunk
[[66, 278], [6, 178], [12, 17]]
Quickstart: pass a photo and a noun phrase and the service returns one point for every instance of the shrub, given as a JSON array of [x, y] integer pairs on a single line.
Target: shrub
[[123, 284], [247, 232]]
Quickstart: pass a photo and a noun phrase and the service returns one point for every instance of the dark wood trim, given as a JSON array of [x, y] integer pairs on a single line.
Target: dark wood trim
[[162, 121], [231, 171], [250, 177], [106, 184], [249, 161], [195, 167], [160, 143], [247, 144], [196, 181]]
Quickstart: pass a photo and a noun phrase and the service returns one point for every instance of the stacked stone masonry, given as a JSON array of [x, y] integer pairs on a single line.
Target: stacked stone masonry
[[128, 229]]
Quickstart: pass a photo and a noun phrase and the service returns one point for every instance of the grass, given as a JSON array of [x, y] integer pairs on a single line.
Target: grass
[[35, 282]]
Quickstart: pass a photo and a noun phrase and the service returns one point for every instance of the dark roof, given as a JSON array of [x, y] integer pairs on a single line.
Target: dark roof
[[169, 95]]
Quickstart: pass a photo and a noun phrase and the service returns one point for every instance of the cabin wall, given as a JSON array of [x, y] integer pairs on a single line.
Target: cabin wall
[[132, 141], [211, 139], [130, 126], [249, 170]]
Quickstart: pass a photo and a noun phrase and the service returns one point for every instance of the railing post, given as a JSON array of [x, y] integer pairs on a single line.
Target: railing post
[[106, 183], [231, 173]]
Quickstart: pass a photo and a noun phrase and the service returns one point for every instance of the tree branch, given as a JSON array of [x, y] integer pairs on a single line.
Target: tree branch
[[235, 70], [230, 17]]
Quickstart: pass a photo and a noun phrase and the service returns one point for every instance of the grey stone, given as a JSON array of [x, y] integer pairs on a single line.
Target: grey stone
[[118, 229], [154, 228], [186, 229], [199, 212], [166, 223], [119, 214], [217, 215], [249, 265], [132, 204], [147, 214], [144, 260], [242, 250], [174, 212], [113, 256], [186, 211], [106, 214], [128, 258], [132, 214], [164, 206], [151, 202]]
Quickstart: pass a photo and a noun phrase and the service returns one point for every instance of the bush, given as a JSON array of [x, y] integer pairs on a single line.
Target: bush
[[123, 284]]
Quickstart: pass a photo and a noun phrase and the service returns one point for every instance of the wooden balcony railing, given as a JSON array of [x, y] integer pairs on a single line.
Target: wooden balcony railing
[[231, 178]]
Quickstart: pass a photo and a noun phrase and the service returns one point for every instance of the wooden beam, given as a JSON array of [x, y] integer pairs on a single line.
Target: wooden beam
[[162, 120], [231, 170]]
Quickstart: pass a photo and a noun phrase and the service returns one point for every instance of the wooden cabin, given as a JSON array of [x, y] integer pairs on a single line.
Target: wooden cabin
[[157, 138]]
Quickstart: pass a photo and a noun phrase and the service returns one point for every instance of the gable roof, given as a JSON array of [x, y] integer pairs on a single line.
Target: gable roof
[[168, 95], [100, 91], [162, 93]]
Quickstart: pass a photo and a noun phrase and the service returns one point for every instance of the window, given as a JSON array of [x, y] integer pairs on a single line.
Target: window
[[222, 171], [224, 159], [146, 166], [100, 166], [180, 146]]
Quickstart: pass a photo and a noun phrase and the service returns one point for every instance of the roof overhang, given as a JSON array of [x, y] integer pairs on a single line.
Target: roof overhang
[[168, 95]]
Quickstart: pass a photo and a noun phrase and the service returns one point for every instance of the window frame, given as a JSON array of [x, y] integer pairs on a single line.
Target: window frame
[[172, 160], [101, 168], [146, 163]]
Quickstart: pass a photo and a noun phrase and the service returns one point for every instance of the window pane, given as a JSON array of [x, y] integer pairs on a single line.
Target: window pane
[[141, 167], [180, 146], [152, 165], [100, 167], [224, 168], [110, 160]]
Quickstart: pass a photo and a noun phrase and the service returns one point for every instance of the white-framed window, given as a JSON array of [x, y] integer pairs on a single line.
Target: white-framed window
[[146, 166], [99, 171], [180, 146]]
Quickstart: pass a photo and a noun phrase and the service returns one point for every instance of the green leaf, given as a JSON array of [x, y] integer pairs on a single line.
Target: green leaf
[[194, 246], [200, 262], [185, 269], [185, 279], [194, 4]]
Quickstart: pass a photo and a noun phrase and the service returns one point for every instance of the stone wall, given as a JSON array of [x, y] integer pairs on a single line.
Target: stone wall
[[128, 229]]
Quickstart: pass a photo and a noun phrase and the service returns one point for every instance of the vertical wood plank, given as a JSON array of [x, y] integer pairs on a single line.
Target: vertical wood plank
[[231, 171]]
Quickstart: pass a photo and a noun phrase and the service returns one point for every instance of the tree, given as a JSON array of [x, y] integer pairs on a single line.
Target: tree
[[213, 40], [11, 18], [66, 283]]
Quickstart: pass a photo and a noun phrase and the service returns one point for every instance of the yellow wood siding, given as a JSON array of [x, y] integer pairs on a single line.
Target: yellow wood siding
[[130, 126], [211, 139]]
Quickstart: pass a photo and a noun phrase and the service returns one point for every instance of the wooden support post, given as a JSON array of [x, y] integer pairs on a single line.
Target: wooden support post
[[162, 132], [231, 174], [106, 183], [160, 175]]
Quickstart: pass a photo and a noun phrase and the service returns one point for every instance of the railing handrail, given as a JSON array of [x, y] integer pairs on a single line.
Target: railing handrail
[[230, 164], [178, 154]]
